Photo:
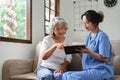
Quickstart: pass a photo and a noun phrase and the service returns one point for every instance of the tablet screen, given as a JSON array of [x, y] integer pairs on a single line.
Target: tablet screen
[[72, 49]]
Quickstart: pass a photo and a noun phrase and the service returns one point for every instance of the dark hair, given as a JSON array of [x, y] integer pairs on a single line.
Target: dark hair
[[93, 16]]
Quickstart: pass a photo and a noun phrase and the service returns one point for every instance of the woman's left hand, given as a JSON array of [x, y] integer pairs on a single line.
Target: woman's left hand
[[59, 70]]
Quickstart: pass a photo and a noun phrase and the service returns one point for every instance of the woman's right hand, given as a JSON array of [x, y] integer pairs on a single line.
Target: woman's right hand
[[59, 45]]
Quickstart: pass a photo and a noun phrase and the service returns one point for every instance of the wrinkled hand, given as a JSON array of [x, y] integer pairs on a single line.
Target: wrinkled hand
[[59, 70], [60, 45]]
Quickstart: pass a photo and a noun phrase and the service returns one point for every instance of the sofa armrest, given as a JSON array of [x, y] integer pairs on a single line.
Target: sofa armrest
[[16, 66], [116, 64]]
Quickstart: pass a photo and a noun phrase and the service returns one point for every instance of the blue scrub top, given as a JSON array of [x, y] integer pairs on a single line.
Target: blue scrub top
[[100, 44]]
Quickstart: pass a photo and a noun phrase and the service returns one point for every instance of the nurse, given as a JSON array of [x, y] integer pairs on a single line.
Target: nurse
[[97, 56]]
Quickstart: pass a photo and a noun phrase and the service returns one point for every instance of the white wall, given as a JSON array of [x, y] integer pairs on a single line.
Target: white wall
[[10, 50], [111, 24]]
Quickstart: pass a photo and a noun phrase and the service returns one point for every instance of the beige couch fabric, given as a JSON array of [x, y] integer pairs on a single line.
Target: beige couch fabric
[[116, 58]]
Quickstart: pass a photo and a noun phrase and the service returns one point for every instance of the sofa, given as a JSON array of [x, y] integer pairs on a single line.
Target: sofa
[[17, 69]]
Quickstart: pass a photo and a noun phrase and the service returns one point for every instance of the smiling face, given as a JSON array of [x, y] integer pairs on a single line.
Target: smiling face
[[89, 26], [59, 30]]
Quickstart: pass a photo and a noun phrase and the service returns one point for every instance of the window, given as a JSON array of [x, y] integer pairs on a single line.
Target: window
[[16, 21], [51, 9]]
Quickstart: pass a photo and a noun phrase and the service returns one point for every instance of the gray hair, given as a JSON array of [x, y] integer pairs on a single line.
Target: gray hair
[[55, 21]]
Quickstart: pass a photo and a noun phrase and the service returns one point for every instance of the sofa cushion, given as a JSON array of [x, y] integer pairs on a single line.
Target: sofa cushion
[[116, 64], [36, 56], [19, 66], [116, 56], [30, 76], [117, 77], [116, 47], [75, 64]]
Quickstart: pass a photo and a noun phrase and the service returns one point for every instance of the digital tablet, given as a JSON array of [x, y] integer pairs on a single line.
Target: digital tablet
[[72, 49]]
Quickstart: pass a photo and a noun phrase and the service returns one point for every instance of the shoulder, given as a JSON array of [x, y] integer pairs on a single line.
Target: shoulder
[[102, 34], [47, 41], [47, 37]]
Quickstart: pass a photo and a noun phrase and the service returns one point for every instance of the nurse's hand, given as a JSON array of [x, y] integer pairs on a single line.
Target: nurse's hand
[[94, 54], [83, 50]]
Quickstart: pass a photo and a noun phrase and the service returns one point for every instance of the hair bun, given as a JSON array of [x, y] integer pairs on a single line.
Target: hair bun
[[101, 16]]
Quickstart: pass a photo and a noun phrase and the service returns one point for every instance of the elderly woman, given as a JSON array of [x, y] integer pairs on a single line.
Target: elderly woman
[[54, 59]]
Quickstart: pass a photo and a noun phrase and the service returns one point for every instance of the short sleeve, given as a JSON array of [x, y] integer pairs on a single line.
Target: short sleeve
[[104, 46], [44, 45]]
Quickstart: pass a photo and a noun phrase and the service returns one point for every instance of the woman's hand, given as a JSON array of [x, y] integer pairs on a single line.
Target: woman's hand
[[83, 50], [62, 68], [59, 45], [95, 55], [59, 70]]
